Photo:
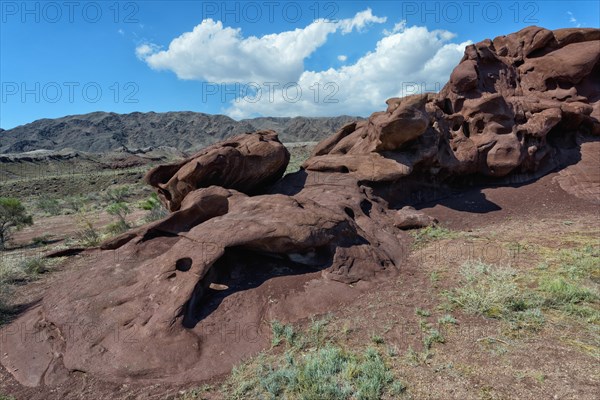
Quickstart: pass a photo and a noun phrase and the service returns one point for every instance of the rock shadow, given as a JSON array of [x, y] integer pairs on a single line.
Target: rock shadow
[[241, 269]]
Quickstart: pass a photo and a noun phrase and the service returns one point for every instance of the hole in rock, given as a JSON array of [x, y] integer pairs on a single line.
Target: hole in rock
[[447, 107], [466, 130], [349, 212], [366, 207], [480, 125], [183, 264], [241, 269]]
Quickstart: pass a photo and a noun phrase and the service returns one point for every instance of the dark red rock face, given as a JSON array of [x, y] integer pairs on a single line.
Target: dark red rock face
[[512, 105]]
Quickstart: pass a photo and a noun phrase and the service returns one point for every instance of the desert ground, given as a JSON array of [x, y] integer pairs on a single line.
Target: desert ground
[[500, 300]]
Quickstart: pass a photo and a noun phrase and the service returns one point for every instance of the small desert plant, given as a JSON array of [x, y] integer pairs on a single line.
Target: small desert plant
[[34, 265], [434, 336], [430, 233], [119, 210], [49, 205], [282, 332], [560, 292], [87, 235], [155, 208], [447, 320], [75, 203], [422, 312], [312, 367], [117, 195], [41, 240], [15, 269], [12, 217], [488, 290], [377, 339], [328, 373], [492, 291]]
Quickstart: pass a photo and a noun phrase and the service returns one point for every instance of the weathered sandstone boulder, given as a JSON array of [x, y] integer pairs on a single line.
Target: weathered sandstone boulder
[[247, 163]]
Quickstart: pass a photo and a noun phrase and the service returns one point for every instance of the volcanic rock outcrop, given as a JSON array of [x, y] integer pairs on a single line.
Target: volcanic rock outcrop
[[246, 163], [512, 106]]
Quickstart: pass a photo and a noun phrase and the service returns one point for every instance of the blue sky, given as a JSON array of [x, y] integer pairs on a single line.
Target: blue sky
[[244, 59]]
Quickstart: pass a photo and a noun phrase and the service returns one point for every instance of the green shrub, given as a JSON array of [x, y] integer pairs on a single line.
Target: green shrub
[[434, 336], [154, 207], [119, 210], [34, 265], [430, 233], [326, 373], [447, 320], [87, 235], [76, 203], [49, 205], [488, 290], [117, 195], [12, 217], [312, 368], [560, 292]]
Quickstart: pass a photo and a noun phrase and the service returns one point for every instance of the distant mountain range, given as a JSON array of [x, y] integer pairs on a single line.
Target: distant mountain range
[[100, 132]]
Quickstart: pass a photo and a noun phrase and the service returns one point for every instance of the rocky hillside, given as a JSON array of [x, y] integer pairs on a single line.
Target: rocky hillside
[[102, 132]]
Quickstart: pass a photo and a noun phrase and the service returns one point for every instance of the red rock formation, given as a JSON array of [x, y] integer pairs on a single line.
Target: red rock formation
[[506, 104], [247, 162]]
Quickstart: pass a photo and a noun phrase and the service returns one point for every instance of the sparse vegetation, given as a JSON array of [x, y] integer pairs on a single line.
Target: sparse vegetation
[[282, 333], [299, 153], [433, 336], [377, 339], [307, 370], [49, 205], [12, 217], [154, 207], [76, 203], [492, 291], [422, 312], [41, 240], [117, 195], [488, 290], [119, 210], [87, 235], [563, 281], [447, 320], [17, 268], [560, 293], [34, 266], [429, 233], [327, 373]]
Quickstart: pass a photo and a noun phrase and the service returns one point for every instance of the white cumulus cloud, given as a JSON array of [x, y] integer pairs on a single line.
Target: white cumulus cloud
[[215, 53], [406, 60], [398, 27], [360, 21], [413, 60]]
